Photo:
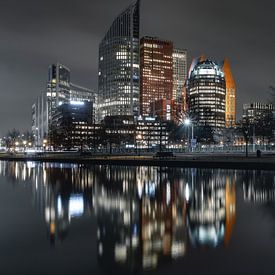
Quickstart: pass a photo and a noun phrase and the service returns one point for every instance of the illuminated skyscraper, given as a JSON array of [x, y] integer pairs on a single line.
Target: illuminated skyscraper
[[118, 71], [230, 107], [59, 91], [206, 94], [156, 65], [179, 74]]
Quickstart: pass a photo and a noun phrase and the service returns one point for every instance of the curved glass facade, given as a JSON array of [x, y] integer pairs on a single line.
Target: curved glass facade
[[206, 94], [118, 90]]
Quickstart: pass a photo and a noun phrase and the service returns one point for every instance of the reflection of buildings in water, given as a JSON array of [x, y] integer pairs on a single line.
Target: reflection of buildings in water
[[211, 208], [230, 208], [141, 223], [116, 204], [259, 186], [58, 191], [144, 214], [163, 222], [63, 195]]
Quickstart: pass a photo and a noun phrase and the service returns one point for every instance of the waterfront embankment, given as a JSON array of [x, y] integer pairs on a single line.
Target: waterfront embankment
[[230, 161]]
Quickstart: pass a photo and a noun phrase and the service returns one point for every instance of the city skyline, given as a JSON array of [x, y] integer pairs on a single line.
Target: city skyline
[[31, 43]]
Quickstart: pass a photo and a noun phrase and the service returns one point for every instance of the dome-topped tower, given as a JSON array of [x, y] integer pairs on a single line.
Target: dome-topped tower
[[206, 94]]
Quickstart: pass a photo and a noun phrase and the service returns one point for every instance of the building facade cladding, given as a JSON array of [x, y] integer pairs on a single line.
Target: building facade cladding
[[156, 67], [179, 74], [230, 108], [207, 94], [254, 112], [118, 71]]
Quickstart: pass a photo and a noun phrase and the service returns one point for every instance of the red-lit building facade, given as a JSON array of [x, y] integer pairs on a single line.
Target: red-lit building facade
[[156, 70]]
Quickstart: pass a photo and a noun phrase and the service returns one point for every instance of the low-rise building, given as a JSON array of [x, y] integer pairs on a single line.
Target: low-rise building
[[166, 109], [72, 124], [151, 133]]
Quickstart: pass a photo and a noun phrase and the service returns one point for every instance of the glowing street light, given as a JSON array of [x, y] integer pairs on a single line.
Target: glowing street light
[[187, 122]]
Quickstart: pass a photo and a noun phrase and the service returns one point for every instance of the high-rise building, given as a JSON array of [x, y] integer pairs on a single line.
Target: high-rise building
[[206, 94], [230, 106], [58, 88], [60, 91], [179, 74], [156, 66], [118, 70]]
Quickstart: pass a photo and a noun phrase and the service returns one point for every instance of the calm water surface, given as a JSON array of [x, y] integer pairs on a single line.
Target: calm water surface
[[76, 219]]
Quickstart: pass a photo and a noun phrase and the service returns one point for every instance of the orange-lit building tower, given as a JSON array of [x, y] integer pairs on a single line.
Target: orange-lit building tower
[[230, 109], [156, 72]]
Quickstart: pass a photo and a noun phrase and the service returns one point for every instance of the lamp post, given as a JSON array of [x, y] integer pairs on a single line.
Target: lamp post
[[188, 123], [254, 138]]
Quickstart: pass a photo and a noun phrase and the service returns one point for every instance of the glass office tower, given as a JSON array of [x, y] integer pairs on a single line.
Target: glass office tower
[[206, 94], [118, 72], [179, 73]]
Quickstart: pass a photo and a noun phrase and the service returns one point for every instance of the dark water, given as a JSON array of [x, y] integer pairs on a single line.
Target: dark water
[[76, 219]]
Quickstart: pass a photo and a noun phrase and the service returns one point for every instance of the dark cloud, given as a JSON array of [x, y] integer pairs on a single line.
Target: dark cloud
[[36, 33]]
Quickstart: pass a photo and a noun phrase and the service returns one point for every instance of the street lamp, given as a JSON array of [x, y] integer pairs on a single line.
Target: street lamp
[[45, 141], [187, 123]]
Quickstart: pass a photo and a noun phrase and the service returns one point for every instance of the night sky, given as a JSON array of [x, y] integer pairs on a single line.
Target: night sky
[[37, 33]]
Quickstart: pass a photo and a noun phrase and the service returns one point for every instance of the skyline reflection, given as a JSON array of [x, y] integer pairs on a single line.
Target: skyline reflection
[[145, 216]]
